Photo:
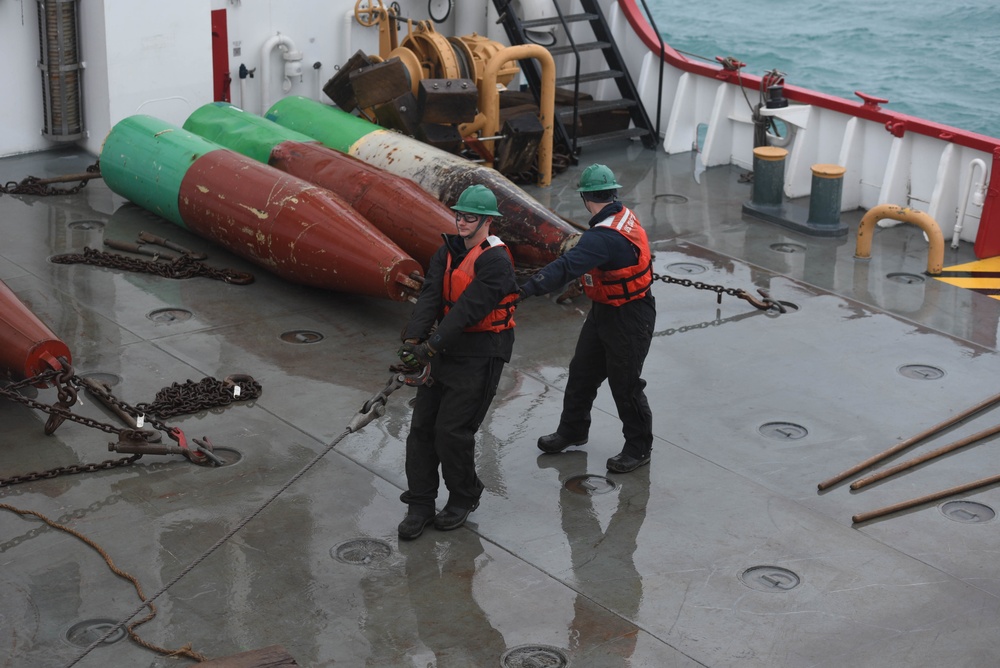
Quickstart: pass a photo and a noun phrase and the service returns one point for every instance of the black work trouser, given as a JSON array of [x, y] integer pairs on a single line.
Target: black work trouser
[[613, 344], [446, 416]]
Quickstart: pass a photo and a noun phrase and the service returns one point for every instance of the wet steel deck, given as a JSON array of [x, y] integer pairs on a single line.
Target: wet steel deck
[[722, 553]]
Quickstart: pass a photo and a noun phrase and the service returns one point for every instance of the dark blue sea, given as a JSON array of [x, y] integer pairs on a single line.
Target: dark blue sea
[[936, 59]]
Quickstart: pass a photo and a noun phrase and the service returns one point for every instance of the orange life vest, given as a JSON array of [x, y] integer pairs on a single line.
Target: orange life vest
[[619, 286], [455, 283]]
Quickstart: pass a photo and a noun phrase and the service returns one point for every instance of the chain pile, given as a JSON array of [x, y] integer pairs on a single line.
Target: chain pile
[[183, 266], [191, 397], [178, 399]]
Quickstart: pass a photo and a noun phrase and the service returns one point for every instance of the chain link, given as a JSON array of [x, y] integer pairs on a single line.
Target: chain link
[[181, 267], [32, 185], [178, 399], [719, 290], [765, 303]]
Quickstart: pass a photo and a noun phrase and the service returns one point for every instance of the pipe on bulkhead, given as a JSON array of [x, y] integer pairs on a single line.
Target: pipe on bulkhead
[[977, 198], [345, 39], [293, 66]]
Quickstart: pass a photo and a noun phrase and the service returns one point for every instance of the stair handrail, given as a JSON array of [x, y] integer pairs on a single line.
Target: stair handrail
[[576, 76], [663, 57]]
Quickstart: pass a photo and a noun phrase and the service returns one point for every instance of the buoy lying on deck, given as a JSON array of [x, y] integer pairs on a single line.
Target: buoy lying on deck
[[397, 206], [292, 228], [535, 235], [27, 346]]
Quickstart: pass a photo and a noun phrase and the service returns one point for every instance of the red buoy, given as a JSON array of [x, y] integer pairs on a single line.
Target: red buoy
[[27, 346]]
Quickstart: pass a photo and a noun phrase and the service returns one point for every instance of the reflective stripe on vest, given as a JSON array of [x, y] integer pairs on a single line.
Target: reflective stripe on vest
[[457, 280], [620, 286]]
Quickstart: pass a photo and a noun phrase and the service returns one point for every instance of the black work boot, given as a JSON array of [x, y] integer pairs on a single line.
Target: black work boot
[[625, 463], [555, 443], [413, 524], [453, 516]]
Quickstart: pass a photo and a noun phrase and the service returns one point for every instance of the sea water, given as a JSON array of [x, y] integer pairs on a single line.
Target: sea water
[[935, 59]]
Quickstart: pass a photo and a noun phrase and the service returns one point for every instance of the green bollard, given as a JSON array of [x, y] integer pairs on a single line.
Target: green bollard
[[824, 200], [768, 175]]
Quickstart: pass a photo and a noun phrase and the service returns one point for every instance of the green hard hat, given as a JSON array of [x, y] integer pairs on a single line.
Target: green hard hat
[[596, 178], [477, 199]]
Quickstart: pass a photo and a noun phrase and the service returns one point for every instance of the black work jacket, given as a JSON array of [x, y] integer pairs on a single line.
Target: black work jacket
[[494, 280]]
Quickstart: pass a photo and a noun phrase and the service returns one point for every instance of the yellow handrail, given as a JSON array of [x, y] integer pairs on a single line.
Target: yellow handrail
[[488, 119], [935, 253]]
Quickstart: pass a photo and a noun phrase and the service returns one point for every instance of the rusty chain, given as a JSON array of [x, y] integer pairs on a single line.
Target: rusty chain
[[191, 397], [175, 400], [32, 185], [765, 303], [183, 266]]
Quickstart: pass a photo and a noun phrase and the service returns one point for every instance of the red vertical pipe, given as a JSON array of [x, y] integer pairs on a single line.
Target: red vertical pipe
[[220, 56], [988, 236]]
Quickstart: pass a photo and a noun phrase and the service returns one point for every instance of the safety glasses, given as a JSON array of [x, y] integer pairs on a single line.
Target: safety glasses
[[467, 217]]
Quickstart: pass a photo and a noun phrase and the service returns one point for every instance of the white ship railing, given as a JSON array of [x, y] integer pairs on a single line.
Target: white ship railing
[[890, 158]]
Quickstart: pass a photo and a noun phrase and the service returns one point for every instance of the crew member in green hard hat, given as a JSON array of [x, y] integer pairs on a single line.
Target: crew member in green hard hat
[[469, 293], [614, 262]]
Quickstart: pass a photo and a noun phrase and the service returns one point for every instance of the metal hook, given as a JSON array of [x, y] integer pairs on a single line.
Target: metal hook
[[765, 304]]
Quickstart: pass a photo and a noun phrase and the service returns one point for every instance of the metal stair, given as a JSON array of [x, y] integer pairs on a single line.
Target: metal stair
[[568, 116]]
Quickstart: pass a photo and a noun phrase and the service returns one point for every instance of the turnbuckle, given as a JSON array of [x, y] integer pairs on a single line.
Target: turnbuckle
[[133, 441], [765, 304]]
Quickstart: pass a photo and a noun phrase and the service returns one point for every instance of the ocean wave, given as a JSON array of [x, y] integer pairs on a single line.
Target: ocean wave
[[932, 59]]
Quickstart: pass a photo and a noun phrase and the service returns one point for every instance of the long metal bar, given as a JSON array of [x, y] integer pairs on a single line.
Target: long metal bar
[[910, 463], [936, 496], [899, 447]]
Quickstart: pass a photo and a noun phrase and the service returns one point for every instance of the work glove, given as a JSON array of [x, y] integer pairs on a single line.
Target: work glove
[[415, 355]]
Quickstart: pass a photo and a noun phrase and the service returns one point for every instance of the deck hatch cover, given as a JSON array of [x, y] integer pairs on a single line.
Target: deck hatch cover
[[533, 656], [968, 512], [686, 268], [905, 278], [770, 578], [590, 485], [301, 336], [671, 198], [788, 247], [169, 315], [85, 633], [921, 371], [361, 552], [783, 431]]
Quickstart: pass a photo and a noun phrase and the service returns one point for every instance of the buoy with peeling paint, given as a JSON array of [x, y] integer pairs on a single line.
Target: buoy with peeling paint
[[534, 234], [290, 227], [397, 206]]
